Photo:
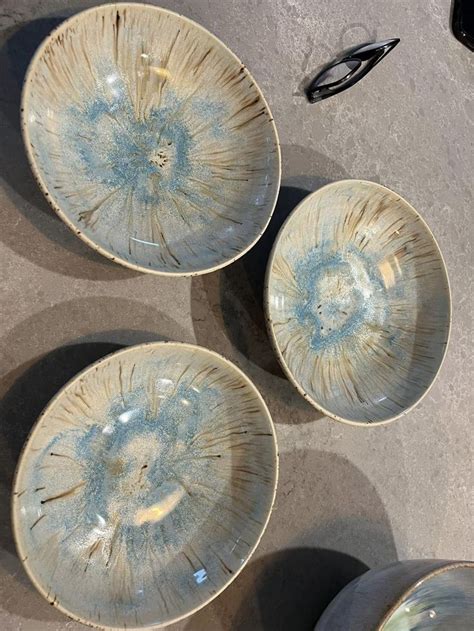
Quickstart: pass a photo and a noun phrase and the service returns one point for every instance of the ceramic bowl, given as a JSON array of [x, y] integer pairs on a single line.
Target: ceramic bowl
[[358, 302], [145, 486], [421, 595], [151, 139]]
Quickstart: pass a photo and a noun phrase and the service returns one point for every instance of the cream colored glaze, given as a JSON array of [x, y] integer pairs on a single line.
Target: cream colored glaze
[[145, 486]]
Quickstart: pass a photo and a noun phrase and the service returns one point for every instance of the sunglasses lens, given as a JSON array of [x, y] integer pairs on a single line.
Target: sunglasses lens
[[337, 73]]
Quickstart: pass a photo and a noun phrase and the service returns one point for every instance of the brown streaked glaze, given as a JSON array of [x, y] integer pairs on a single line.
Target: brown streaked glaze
[[145, 486], [151, 139], [358, 301]]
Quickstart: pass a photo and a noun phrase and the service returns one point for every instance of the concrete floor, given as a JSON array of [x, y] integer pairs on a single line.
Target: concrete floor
[[348, 497]]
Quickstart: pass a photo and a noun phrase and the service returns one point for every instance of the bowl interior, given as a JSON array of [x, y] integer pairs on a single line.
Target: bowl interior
[[145, 486], [151, 139], [359, 303], [444, 600]]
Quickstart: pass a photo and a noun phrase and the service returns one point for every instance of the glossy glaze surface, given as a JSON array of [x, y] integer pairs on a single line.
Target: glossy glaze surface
[[418, 595], [442, 601], [358, 302], [145, 486], [151, 139], [400, 490]]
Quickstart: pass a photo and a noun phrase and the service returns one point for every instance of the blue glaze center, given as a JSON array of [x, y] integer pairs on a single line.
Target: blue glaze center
[[137, 469], [342, 293], [145, 155], [149, 158]]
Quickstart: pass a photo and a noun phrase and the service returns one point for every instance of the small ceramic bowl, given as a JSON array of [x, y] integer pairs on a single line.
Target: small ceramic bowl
[[145, 486], [421, 595], [150, 139], [358, 302]]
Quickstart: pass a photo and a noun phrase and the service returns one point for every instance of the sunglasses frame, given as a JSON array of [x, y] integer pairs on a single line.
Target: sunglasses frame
[[372, 53]]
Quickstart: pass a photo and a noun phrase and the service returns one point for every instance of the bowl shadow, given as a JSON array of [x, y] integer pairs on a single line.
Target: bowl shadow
[[228, 315], [295, 586], [242, 290], [328, 526], [228, 306]]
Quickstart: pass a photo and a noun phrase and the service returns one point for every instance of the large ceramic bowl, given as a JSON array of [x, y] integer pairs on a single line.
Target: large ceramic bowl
[[150, 139], [358, 302], [421, 595], [145, 486]]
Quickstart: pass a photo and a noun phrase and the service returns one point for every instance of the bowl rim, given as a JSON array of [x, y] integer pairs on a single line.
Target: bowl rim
[[447, 567], [25, 98], [16, 526], [269, 321]]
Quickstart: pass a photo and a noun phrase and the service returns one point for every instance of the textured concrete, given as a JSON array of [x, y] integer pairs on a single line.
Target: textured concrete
[[349, 497]]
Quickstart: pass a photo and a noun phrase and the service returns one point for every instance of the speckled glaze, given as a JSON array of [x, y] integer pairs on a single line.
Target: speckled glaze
[[145, 486], [151, 139], [358, 302], [421, 595]]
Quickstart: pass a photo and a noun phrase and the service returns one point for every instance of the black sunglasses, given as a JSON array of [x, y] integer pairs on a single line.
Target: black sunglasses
[[347, 70]]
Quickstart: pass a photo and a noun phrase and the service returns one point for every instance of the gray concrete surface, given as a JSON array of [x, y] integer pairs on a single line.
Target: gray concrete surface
[[348, 497]]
